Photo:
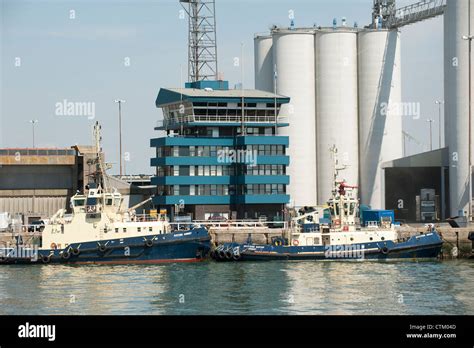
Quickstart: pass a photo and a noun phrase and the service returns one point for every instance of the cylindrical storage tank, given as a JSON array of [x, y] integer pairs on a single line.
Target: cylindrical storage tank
[[336, 105], [264, 67], [380, 122], [293, 54], [457, 17]]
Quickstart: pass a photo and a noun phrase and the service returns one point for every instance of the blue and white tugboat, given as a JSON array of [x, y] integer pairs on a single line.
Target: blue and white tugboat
[[342, 237], [101, 231]]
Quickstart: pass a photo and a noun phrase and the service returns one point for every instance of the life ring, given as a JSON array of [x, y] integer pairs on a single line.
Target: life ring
[[46, 258], [337, 222], [384, 250], [75, 251], [53, 246], [296, 242], [149, 243], [228, 254], [237, 256]]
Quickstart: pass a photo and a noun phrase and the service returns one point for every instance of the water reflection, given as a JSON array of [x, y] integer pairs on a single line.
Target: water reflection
[[241, 288]]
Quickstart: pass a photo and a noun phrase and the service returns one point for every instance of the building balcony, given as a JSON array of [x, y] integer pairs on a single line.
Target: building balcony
[[221, 120]]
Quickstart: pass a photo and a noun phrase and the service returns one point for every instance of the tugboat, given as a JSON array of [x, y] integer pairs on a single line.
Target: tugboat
[[100, 231], [342, 237]]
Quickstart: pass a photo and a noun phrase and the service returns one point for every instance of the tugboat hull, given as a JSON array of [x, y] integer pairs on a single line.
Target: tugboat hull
[[427, 246], [186, 246]]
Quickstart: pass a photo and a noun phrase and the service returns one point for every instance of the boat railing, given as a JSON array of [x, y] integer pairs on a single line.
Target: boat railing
[[147, 218], [242, 223], [20, 235]]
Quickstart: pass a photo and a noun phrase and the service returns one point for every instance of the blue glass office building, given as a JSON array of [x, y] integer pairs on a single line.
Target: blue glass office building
[[207, 164]]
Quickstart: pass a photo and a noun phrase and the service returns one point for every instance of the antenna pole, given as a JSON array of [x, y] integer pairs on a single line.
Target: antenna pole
[[202, 46]]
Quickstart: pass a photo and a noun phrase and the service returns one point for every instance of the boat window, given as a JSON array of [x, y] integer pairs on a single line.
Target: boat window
[[124, 230], [139, 229], [117, 201], [116, 230], [79, 202], [108, 201], [352, 208], [336, 206], [150, 229], [91, 200]]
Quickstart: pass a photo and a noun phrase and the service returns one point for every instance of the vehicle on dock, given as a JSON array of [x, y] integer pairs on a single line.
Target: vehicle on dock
[[311, 236], [100, 230]]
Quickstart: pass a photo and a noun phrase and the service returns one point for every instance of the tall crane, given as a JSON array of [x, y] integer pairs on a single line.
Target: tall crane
[[202, 46]]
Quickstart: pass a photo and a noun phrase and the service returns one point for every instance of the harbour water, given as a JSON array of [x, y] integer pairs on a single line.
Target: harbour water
[[278, 288]]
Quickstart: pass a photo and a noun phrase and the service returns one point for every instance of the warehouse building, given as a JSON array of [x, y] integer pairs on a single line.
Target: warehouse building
[[36, 183]]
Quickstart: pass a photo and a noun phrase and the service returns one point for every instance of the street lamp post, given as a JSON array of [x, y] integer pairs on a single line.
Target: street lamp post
[[431, 133], [469, 38], [120, 101], [439, 103], [33, 122]]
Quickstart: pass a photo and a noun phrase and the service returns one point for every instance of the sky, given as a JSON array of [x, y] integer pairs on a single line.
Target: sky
[[93, 52]]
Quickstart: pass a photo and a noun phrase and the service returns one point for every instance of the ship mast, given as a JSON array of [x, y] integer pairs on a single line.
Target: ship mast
[[102, 176]]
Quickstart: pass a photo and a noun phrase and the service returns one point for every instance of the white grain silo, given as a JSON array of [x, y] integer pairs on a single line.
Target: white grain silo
[[336, 105], [263, 56], [293, 54], [457, 16], [380, 122]]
